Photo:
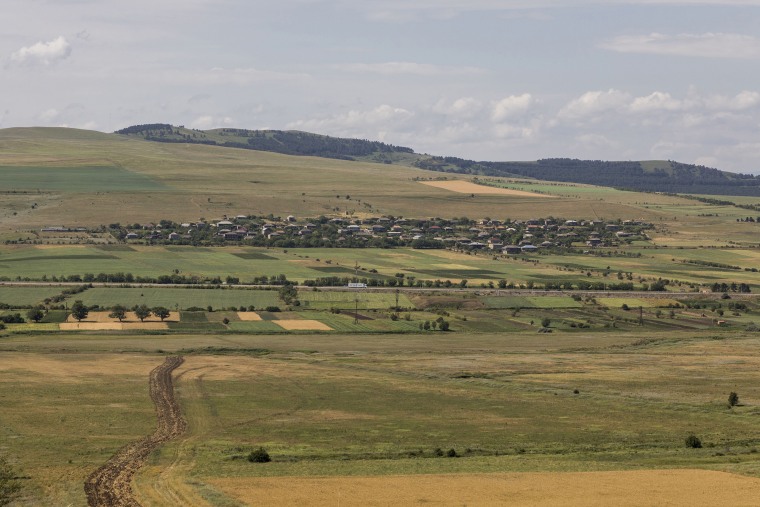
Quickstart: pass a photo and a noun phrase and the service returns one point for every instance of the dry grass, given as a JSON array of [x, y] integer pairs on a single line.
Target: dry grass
[[621, 489], [467, 187], [100, 321], [249, 316], [302, 325]]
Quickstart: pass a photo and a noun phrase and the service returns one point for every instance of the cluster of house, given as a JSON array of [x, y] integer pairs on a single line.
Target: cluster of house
[[507, 236]]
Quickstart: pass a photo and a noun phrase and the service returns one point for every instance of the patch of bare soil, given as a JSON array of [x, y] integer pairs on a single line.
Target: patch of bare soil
[[111, 484]]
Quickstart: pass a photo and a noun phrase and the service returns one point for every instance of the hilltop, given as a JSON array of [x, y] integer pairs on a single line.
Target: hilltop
[[647, 176]]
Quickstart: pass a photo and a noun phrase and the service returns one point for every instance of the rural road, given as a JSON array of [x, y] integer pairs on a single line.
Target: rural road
[[111, 484]]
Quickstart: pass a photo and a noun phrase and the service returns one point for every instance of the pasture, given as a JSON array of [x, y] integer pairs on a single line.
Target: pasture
[[349, 406]]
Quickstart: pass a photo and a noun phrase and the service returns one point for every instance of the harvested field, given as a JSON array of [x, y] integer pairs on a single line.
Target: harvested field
[[100, 321], [302, 325], [249, 316], [467, 187], [633, 488]]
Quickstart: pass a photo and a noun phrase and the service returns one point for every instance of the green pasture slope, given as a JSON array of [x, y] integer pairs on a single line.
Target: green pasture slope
[[81, 179]]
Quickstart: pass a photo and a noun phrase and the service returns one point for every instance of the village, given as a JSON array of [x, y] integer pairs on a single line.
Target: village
[[503, 236]]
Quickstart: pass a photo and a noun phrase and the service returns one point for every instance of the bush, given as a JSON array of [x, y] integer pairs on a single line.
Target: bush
[[259, 455], [438, 452], [272, 309], [733, 399], [693, 442], [546, 322], [452, 453]]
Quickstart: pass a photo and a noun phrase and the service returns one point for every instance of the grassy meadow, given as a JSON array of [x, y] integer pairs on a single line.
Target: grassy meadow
[[350, 405], [334, 394]]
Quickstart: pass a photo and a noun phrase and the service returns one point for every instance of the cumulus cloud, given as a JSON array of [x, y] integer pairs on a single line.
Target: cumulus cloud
[[464, 107], [706, 45], [511, 107], [594, 103], [411, 68], [43, 53], [656, 101], [205, 122], [356, 122]]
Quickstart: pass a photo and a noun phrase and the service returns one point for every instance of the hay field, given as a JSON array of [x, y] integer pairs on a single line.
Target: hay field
[[249, 316], [100, 321], [468, 187], [302, 325], [675, 488]]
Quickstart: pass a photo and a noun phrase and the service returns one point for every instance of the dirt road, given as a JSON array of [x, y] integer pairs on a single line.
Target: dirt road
[[111, 484]]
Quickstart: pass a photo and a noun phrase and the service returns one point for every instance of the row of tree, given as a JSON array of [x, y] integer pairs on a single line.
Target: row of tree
[[80, 311]]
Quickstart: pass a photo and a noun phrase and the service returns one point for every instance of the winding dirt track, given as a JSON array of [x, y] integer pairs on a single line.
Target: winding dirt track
[[111, 484]]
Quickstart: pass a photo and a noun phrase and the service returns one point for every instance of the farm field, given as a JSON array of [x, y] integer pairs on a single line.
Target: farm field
[[686, 265], [359, 413]]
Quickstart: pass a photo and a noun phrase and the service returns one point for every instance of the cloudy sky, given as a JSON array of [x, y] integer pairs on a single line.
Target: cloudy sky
[[481, 79]]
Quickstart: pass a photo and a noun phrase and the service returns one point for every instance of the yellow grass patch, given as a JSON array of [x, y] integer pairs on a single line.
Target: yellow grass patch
[[248, 316], [70, 367], [302, 325], [586, 489], [467, 187]]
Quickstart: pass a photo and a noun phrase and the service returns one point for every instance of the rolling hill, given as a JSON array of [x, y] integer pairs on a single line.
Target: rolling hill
[[647, 176]]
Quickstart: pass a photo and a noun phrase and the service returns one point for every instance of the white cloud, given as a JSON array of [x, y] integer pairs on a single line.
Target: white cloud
[[205, 122], [656, 101], [411, 68], [356, 123], [43, 53], [705, 45], [464, 107], [511, 107], [594, 103]]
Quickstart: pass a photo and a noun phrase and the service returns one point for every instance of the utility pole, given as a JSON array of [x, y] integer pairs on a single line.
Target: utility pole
[[356, 296]]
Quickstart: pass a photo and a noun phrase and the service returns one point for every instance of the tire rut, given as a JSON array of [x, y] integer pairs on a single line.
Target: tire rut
[[111, 484]]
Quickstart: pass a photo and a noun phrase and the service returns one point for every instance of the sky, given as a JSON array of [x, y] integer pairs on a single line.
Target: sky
[[478, 79]]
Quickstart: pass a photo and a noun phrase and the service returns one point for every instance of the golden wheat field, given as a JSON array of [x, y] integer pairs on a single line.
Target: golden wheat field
[[675, 488], [468, 187]]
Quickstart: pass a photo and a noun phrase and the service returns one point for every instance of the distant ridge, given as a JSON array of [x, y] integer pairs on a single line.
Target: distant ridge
[[648, 176]]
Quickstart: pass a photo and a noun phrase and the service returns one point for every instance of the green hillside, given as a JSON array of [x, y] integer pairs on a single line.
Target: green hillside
[[648, 176]]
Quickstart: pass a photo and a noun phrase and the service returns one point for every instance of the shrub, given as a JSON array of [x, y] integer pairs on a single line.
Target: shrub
[[546, 322], [225, 321], [438, 452], [452, 453], [733, 399], [693, 442], [272, 309], [259, 455]]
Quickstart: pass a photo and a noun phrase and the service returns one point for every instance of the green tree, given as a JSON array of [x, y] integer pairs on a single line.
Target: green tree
[[36, 314], [142, 312], [546, 322], [161, 312], [259, 455], [79, 310], [118, 312], [693, 442], [733, 399], [9, 485]]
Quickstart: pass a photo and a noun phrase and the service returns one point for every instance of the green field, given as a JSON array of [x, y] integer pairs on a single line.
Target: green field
[[77, 179], [325, 300], [179, 297], [26, 295], [355, 406]]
